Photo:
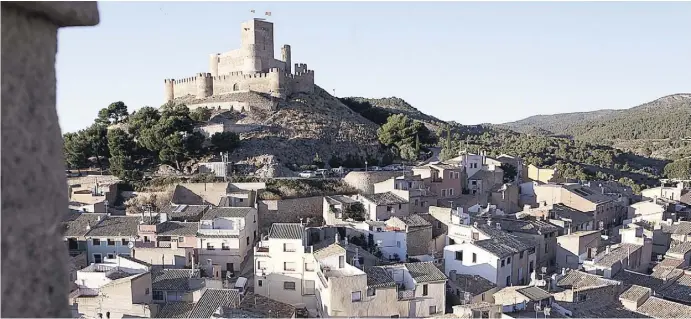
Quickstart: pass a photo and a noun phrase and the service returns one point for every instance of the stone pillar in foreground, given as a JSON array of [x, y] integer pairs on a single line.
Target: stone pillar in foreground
[[34, 187]]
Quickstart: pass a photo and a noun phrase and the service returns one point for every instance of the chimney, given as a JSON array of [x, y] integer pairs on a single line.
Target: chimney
[[563, 271], [526, 207], [337, 240], [98, 218], [163, 217], [607, 250], [452, 275], [498, 225], [489, 222], [680, 185]]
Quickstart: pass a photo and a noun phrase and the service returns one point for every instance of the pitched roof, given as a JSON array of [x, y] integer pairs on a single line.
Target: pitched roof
[[669, 263], [472, 284], [286, 231], [116, 226], [172, 279], [679, 290], [190, 213], [618, 254], [561, 212], [534, 293], [171, 228], [268, 308], [680, 248], [227, 212], [175, 310], [387, 198], [425, 272], [339, 199], [501, 243], [378, 277], [415, 220], [678, 228], [75, 223], [328, 251], [635, 293], [527, 226], [591, 194], [660, 308], [583, 280], [212, 299], [630, 278]]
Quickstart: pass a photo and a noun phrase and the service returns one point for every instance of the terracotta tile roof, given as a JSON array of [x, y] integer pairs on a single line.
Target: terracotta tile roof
[[660, 308], [75, 223], [679, 290], [583, 280], [116, 226], [171, 228], [286, 231], [387, 198], [635, 293], [618, 254], [175, 310], [190, 213], [473, 284], [172, 279], [212, 299], [328, 251], [227, 212], [680, 248], [534, 293], [378, 277], [425, 272], [262, 307]]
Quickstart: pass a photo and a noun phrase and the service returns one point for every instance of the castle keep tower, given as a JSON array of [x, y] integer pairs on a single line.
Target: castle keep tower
[[250, 68]]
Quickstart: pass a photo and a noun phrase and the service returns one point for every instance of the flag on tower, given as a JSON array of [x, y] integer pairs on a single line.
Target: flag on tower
[[252, 11], [268, 13]]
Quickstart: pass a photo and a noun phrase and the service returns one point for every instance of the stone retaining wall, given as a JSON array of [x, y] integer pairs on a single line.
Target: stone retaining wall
[[288, 211]]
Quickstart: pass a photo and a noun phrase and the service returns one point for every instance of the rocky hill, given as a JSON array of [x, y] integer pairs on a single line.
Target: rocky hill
[[306, 125], [660, 128], [399, 106]]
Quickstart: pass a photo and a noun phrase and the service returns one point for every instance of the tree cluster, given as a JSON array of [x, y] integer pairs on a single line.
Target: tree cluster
[[133, 143], [404, 136]]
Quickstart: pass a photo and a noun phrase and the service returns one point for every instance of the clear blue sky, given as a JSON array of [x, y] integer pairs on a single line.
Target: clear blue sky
[[468, 62]]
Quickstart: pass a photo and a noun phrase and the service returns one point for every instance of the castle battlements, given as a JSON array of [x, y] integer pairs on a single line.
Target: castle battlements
[[252, 67]]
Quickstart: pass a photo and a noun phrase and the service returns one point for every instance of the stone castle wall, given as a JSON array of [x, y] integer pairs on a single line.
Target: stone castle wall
[[288, 211]]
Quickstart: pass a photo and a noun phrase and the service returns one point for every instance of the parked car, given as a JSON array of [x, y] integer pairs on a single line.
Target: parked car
[[307, 174], [375, 168]]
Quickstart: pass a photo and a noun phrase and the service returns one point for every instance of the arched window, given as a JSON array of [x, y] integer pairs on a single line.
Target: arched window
[[236, 87]]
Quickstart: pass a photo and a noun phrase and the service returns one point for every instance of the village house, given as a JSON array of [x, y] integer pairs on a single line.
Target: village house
[[505, 197], [93, 194], [673, 193], [445, 180], [576, 247], [520, 298], [382, 206], [541, 233], [585, 295], [335, 206], [327, 283], [76, 225], [118, 288], [475, 310], [175, 285], [652, 211], [464, 288], [410, 188], [633, 253], [485, 250], [111, 237], [607, 211], [225, 236], [167, 243], [565, 217], [641, 300], [184, 213]]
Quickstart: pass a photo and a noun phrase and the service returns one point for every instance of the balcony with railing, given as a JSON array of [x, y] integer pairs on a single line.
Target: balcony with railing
[[262, 248], [220, 232], [322, 279], [84, 292], [142, 244]]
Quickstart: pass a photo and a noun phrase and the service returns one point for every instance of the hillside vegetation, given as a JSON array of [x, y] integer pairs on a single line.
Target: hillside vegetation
[[660, 128]]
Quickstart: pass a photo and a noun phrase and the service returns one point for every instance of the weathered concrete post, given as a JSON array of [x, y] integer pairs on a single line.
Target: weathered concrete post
[[34, 188]]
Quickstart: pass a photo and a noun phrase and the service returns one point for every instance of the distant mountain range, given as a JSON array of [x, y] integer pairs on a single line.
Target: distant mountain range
[[661, 128]]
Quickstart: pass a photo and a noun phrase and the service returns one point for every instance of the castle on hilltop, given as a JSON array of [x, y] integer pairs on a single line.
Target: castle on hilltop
[[251, 69]]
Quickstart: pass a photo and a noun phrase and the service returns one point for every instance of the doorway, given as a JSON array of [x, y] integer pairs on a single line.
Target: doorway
[[98, 258], [230, 267]]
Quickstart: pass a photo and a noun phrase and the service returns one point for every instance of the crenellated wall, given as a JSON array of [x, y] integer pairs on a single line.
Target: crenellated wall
[[238, 81]]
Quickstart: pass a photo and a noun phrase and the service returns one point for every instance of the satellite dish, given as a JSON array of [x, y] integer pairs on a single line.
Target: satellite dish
[[130, 245]]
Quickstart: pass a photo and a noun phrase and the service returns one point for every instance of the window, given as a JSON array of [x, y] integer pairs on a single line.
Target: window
[[355, 296], [484, 314], [146, 291], [248, 240], [452, 242], [520, 255], [432, 310], [450, 191], [260, 264], [399, 206], [473, 182], [125, 241], [438, 224], [309, 267], [288, 285], [181, 239], [483, 297], [416, 202], [389, 208], [545, 249], [146, 239], [96, 242], [111, 242], [474, 257], [425, 290], [289, 266], [508, 281], [371, 292], [502, 262], [158, 295], [209, 246], [398, 244], [224, 246], [582, 297], [288, 247], [508, 260], [111, 256], [459, 255], [443, 193], [260, 283]]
